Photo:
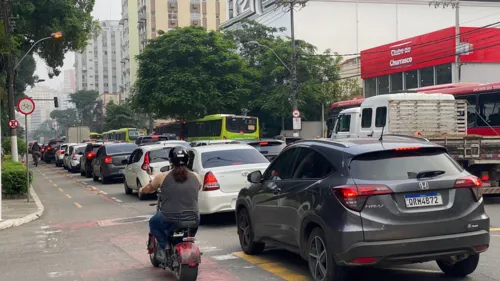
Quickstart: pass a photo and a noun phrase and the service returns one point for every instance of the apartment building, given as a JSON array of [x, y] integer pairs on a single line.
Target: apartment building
[[155, 15], [130, 45], [44, 105], [98, 66]]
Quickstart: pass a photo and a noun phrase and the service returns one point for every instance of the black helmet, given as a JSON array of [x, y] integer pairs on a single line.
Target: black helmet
[[178, 156]]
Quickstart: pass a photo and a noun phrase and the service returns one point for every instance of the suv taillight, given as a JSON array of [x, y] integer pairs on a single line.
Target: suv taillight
[[210, 182], [472, 182], [73, 156], [90, 155], [108, 160], [354, 197], [145, 165]]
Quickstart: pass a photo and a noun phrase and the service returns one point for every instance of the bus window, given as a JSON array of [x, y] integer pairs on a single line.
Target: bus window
[[471, 109], [489, 109], [240, 124]]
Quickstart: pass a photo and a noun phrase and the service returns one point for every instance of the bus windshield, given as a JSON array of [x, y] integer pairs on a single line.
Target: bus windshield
[[135, 134], [245, 125]]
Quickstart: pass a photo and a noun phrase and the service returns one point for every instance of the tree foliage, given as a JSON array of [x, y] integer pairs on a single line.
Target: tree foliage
[[189, 72], [118, 116], [44, 130], [65, 118], [85, 104]]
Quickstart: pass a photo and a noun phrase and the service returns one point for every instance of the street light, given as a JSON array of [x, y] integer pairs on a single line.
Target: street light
[[55, 35], [255, 43]]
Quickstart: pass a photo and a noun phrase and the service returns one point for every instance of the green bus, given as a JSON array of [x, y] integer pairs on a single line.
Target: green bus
[[95, 136], [124, 134], [222, 127]]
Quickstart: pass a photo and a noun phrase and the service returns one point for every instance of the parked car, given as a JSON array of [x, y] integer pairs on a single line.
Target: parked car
[[89, 155], [61, 150], [224, 170], [211, 142], [365, 202], [270, 148], [144, 160], [49, 154], [72, 157], [108, 162], [288, 140], [154, 139]]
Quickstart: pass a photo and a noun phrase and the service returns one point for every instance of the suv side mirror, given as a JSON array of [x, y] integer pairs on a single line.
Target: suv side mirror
[[254, 177]]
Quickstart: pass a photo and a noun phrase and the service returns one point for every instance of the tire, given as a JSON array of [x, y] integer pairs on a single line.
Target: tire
[[88, 174], [104, 180], [94, 177], [140, 196], [246, 235], [187, 273], [152, 257], [459, 269], [322, 267], [128, 190], [82, 173]]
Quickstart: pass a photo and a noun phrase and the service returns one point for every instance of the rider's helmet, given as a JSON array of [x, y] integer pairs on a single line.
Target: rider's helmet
[[178, 156]]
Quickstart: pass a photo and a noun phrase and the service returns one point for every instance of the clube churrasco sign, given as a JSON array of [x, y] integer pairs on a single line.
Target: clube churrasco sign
[[401, 55]]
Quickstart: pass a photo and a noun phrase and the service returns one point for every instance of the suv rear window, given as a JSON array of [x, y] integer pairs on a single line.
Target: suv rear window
[[401, 165], [223, 158], [160, 155], [120, 148], [154, 139]]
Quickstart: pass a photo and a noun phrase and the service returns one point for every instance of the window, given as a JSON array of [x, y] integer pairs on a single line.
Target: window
[[383, 84], [397, 81], [205, 129], [190, 160], [401, 165], [411, 79], [489, 109], [380, 116], [366, 118], [312, 165], [240, 124], [233, 157], [344, 123], [281, 168], [426, 76], [136, 156], [443, 74], [471, 109], [121, 148], [159, 155], [370, 87]]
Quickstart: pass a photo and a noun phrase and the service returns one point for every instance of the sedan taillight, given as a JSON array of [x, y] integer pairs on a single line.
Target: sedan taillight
[[108, 160]]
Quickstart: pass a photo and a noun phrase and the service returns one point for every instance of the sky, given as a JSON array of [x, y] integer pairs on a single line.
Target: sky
[[103, 10]]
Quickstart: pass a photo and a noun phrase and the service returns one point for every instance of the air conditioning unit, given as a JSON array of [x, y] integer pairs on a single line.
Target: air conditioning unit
[[195, 6]]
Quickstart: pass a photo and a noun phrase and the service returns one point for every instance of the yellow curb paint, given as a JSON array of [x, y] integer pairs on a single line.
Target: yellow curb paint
[[55, 185], [93, 188], [273, 267], [77, 205], [60, 189], [50, 181], [67, 195], [495, 229]]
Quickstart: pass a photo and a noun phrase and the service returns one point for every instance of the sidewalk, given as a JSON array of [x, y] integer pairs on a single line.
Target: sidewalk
[[16, 212]]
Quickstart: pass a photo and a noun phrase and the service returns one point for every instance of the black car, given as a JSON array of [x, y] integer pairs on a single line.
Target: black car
[[110, 161], [270, 148], [88, 156], [154, 138], [366, 202], [50, 152]]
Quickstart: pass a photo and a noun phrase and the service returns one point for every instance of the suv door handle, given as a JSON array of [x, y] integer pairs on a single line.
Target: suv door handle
[[277, 190]]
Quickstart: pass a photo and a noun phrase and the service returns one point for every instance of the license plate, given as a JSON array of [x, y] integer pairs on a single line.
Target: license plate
[[423, 200]]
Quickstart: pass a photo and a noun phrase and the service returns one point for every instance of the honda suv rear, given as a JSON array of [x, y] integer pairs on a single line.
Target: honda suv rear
[[365, 202]]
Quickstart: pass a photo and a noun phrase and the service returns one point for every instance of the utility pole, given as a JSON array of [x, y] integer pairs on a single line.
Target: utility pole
[[455, 4], [10, 76], [291, 4]]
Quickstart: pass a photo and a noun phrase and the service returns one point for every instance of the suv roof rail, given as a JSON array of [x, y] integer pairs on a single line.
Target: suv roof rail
[[408, 137], [325, 141]]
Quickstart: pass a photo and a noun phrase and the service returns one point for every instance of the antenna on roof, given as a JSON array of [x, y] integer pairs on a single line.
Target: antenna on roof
[[382, 133]]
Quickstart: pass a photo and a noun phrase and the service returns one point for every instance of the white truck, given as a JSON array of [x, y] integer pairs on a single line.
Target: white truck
[[77, 134], [438, 118]]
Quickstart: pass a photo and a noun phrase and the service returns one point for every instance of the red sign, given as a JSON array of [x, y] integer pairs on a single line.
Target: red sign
[[13, 124], [431, 49], [26, 106]]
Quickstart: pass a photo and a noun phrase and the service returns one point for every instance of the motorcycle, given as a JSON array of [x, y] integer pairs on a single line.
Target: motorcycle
[[182, 255], [35, 156]]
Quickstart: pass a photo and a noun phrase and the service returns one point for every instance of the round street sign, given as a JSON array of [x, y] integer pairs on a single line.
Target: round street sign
[[26, 106], [296, 113], [13, 124]]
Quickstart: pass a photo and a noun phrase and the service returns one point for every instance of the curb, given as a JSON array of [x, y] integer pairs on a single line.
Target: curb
[[31, 217]]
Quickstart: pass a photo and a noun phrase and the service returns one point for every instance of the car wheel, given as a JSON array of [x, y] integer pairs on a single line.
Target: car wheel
[[82, 173], [104, 180], [94, 177], [246, 235], [461, 268], [140, 196], [88, 174], [128, 190], [320, 260]]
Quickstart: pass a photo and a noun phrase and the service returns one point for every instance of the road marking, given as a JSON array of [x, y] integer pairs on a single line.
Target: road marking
[[55, 185], [224, 257], [209, 249], [273, 267], [50, 181], [93, 188], [77, 205], [415, 270], [60, 189], [49, 232], [102, 192], [495, 229], [67, 195], [60, 274], [117, 200]]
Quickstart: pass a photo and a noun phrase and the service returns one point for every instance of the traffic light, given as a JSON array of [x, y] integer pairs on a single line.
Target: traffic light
[[56, 102]]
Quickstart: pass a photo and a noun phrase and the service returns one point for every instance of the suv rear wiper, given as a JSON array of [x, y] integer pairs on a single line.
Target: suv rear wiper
[[430, 173]]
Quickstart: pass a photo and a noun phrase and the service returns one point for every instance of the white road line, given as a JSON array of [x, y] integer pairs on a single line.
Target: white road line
[[208, 249], [117, 200], [224, 257], [415, 270], [60, 274], [49, 232]]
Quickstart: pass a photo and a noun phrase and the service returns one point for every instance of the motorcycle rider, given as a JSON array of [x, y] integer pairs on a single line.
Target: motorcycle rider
[[179, 197], [35, 152]]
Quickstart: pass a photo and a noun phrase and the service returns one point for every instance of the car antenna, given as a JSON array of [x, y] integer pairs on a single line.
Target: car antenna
[[382, 134]]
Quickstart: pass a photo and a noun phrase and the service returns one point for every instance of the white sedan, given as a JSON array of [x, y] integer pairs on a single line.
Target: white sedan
[[224, 170]]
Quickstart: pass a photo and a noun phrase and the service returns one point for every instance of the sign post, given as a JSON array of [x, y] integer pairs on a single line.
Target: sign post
[[297, 122], [26, 106]]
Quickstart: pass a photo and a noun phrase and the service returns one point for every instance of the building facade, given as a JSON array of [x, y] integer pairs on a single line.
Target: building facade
[[69, 82], [98, 66], [130, 45], [43, 108], [166, 15], [429, 59]]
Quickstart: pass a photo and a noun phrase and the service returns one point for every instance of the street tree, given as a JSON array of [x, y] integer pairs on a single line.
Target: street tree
[[188, 73], [118, 116], [350, 88], [85, 104], [65, 118], [98, 117]]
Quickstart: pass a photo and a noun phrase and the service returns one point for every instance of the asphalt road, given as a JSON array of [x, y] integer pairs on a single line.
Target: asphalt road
[[93, 232]]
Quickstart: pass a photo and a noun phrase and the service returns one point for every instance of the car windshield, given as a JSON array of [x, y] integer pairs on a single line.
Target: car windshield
[[402, 165], [160, 155], [223, 158], [120, 148]]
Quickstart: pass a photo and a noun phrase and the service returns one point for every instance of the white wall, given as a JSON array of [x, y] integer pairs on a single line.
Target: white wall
[[480, 72]]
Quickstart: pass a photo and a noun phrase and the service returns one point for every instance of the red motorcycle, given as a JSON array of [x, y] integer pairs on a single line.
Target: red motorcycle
[[182, 255]]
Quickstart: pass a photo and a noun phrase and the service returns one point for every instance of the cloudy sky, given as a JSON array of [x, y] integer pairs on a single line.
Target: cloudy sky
[[103, 10]]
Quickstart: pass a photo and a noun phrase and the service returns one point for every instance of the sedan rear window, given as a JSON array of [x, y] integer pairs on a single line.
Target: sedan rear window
[[223, 158], [80, 149], [160, 155], [402, 165], [120, 148]]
